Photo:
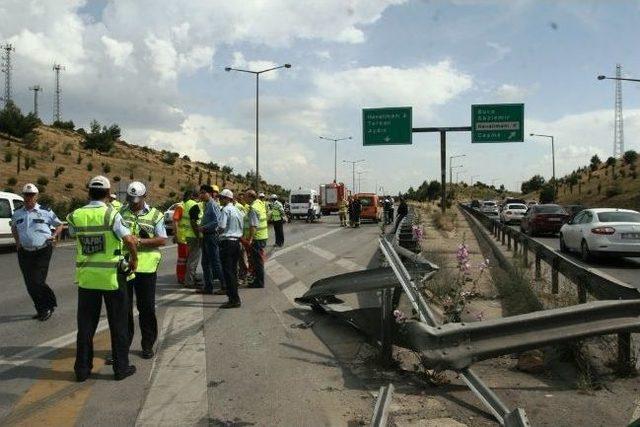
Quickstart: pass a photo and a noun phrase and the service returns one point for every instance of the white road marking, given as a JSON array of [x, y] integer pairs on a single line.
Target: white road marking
[[278, 273], [349, 265], [295, 291], [329, 256], [178, 391], [300, 244]]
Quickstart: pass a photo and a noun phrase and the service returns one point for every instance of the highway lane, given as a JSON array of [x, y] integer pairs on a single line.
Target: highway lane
[[625, 269], [245, 363]]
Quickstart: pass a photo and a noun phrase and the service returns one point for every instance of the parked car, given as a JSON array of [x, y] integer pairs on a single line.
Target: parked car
[[9, 202], [370, 208], [604, 231], [546, 218], [489, 207], [513, 212], [509, 200], [168, 219], [572, 210], [531, 202]]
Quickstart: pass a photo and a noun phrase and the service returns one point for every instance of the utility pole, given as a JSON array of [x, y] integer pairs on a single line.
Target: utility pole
[[57, 115], [6, 69], [353, 165], [618, 123], [35, 89]]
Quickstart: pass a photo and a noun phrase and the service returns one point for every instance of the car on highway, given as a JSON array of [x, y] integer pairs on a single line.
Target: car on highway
[[489, 207], [513, 212], [602, 231], [168, 219], [531, 202], [9, 202], [543, 219]]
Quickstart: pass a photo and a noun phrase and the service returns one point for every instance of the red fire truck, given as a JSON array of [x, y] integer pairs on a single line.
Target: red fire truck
[[330, 195]]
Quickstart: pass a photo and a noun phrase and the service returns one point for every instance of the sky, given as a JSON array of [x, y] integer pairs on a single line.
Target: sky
[[157, 69]]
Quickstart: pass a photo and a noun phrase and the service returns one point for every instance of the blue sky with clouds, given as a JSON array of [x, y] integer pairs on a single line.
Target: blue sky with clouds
[[157, 68]]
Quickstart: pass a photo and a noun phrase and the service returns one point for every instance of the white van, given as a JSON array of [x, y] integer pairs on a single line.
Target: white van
[[299, 203], [9, 202]]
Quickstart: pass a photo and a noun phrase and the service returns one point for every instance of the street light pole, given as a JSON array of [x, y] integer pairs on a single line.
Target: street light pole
[[257, 74], [335, 154], [451, 166], [353, 165], [553, 161], [618, 78], [359, 175]]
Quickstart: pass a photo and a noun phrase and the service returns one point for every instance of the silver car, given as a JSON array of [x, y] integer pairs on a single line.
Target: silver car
[[603, 231], [513, 212], [489, 207]]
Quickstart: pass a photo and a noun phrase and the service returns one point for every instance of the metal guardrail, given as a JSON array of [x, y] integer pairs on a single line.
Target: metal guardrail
[[381, 410], [586, 279]]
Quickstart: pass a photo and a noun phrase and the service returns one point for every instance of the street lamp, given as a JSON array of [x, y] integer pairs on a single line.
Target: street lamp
[[353, 165], [553, 160], [360, 173], [601, 77], [451, 166], [458, 174], [257, 74], [335, 154]]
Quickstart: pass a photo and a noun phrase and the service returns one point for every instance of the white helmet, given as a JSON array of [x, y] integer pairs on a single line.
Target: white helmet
[[226, 193], [273, 196], [100, 182], [30, 189], [136, 190]]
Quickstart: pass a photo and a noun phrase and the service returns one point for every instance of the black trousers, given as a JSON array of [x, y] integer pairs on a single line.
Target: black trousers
[[230, 254], [89, 307], [35, 267], [279, 232], [144, 286], [257, 260]]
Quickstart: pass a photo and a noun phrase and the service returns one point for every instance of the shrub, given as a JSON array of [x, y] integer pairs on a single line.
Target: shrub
[[106, 168], [27, 162], [68, 185], [13, 122], [8, 156], [30, 140], [131, 175], [149, 178], [169, 158], [116, 178], [42, 180], [58, 171], [547, 193], [162, 183], [186, 158], [79, 159], [614, 190], [101, 138], [599, 187], [12, 181], [64, 125], [172, 194], [630, 157], [53, 157], [89, 166]]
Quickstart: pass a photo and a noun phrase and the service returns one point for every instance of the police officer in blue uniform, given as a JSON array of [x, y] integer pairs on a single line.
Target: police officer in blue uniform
[[31, 227]]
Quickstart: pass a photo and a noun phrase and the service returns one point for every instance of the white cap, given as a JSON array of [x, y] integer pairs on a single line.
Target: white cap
[[30, 189], [273, 196], [260, 194], [114, 196], [136, 190], [99, 182], [226, 193]]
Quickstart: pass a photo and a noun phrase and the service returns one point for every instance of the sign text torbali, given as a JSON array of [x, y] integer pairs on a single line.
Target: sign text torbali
[[386, 126]]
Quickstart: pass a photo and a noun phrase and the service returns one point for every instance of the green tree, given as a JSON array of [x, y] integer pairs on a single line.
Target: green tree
[[101, 138], [595, 162], [13, 122], [630, 157], [547, 193]]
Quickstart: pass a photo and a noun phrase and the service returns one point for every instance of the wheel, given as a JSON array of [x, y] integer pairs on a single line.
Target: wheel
[[585, 253], [563, 247]]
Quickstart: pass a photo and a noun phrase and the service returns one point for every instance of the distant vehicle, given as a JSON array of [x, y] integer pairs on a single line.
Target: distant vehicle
[[604, 231], [370, 207], [9, 203], [168, 219], [531, 202], [572, 210], [513, 212], [489, 207], [475, 204], [513, 200], [543, 219], [330, 195], [299, 203]]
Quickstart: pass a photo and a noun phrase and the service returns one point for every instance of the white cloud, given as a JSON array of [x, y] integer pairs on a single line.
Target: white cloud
[[511, 93], [119, 52], [239, 61], [500, 50]]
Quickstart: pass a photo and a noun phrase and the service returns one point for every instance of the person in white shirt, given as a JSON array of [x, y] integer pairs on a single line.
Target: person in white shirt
[[230, 232]]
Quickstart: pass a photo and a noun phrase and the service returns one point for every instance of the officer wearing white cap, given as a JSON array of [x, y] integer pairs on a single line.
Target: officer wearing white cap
[[31, 228], [230, 232], [277, 219], [117, 204], [101, 273], [147, 224]]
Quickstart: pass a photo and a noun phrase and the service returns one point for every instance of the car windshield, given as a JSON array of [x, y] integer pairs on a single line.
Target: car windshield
[[488, 203], [365, 201], [300, 198], [549, 209], [517, 206], [616, 216], [5, 208]]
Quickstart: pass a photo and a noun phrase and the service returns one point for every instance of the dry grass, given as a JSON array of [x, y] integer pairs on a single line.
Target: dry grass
[[446, 221]]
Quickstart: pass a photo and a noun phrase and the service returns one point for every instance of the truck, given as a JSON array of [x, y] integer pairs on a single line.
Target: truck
[[330, 195]]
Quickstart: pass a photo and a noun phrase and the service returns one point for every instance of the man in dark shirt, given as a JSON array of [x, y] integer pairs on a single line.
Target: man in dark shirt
[[403, 210]]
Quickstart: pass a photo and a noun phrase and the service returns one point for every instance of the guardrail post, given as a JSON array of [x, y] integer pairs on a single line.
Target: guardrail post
[[624, 353], [582, 293], [515, 245], [538, 267], [386, 338], [509, 241], [503, 236], [525, 253], [554, 277]]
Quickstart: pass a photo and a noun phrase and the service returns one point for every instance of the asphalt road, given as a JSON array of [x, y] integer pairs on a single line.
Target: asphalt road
[[255, 365], [625, 269]]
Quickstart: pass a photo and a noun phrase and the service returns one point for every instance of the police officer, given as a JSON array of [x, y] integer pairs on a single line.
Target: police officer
[[117, 205], [101, 273], [277, 218], [258, 235], [147, 224], [31, 228]]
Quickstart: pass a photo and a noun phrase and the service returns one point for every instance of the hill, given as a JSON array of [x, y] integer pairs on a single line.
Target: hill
[[612, 184], [57, 163]]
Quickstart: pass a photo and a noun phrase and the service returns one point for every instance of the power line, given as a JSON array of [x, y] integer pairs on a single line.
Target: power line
[[35, 89], [618, 130], [6, 69], [57, 115]]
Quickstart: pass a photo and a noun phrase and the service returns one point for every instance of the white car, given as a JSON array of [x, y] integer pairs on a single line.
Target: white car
[[489, 207], [168, 219], [9, 202], [603, 231], [513, 212]]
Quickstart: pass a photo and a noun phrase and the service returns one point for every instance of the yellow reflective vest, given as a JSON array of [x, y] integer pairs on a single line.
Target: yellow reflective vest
[[148, 258], [262, 230], [99, 250], [184, 225]]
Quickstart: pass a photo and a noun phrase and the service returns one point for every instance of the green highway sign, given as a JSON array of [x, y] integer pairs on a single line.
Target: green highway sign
[[386, 126], [497, 123]]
